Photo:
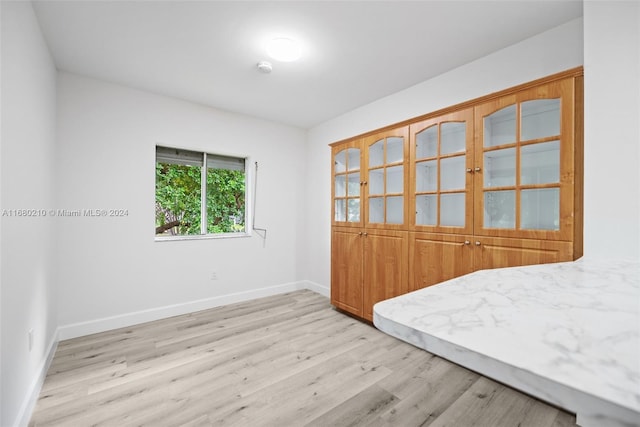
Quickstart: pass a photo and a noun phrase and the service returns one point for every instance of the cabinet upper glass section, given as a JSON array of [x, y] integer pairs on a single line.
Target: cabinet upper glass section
[[385, 183], [347, 185], [440, 173], [521, 166]]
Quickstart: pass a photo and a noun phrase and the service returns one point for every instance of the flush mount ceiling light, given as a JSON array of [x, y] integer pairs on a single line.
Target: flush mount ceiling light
[[284, 49]]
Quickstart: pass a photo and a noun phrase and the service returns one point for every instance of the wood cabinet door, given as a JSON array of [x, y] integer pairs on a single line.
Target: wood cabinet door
[[346, 269], [347, 184], [385, 267], [441, 174], [524, 170], [434, 258], [385, 175], [498, 253]]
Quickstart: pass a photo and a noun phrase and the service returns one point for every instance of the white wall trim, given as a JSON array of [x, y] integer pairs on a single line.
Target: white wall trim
[[33, 392], [124, 320], [316, 287]]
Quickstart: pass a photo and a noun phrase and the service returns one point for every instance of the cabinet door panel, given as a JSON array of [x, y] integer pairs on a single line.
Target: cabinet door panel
[[440, 181], [385, 267], [346, 270], [436, 258], [386, 159], [346, 186], [498, 253], [525, 164]]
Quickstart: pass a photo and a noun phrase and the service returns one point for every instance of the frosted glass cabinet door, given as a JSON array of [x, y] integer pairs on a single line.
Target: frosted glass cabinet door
[[441, 172], [347, 187], [384, 188], [527, 138]]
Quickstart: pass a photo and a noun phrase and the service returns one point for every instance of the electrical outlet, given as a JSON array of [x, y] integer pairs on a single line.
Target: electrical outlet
[[30, 339]]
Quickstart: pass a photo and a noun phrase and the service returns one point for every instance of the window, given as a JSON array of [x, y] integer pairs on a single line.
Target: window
[[199, 193]]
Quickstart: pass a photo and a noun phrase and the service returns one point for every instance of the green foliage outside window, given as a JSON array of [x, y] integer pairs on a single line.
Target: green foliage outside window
[[178, 200]]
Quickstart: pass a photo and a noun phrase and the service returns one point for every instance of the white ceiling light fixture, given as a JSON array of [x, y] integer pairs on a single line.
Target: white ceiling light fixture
[[284, 49]]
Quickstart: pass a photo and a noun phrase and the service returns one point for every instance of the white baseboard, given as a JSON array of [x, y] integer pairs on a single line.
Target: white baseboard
[[125, 320], [316, 287], [31, 398]]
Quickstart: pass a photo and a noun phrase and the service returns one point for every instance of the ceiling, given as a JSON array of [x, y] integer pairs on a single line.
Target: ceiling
[[354, 52]]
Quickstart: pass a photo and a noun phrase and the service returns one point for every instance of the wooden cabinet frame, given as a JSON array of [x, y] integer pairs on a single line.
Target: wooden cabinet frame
[[375, 261]]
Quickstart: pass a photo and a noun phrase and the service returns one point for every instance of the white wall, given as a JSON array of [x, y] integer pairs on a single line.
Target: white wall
[[612, 129], [27, 286], [111, 272], [556, 50]]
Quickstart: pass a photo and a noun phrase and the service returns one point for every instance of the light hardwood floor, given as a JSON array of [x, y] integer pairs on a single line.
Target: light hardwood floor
[[286, 360]]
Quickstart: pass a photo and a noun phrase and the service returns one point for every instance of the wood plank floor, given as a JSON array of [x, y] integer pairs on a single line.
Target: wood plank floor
[[286, 360]]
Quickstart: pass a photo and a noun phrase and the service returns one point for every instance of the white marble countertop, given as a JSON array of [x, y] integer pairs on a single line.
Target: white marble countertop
[[568, 333]]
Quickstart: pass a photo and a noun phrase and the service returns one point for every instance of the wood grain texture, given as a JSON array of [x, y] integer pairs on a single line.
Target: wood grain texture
[[286, 360]]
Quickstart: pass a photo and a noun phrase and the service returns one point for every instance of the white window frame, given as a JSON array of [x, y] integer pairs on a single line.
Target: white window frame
[[248, 227]]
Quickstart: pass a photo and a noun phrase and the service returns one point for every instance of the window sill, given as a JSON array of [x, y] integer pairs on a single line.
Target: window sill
[[202, 237]]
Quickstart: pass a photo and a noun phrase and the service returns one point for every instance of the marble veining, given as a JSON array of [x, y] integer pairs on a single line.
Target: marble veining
[[568, 333]]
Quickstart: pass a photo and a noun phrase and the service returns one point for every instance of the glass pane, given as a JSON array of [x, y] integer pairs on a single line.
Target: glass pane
[[426, 210], [341, 209], [500, 167], [500, 127], [427, 142], [452, 209], [178, 199], [395, 179], [453, 138], [395, 206], [500, 209], [540, 163], [340, 162], [427, 176], [395, 149], [353, 188], [376, 181], [453, 173], [353, 162], [340, 189], [376, 154], [540, 118], [540, 209], [376, 209], [353, 211]]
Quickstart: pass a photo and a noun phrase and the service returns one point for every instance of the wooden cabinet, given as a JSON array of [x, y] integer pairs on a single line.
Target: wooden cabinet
[[494, 182], [367, 267], [369, 258], [347, 270], [386, 261], [436, 257], [525, 164], [441, 196]]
